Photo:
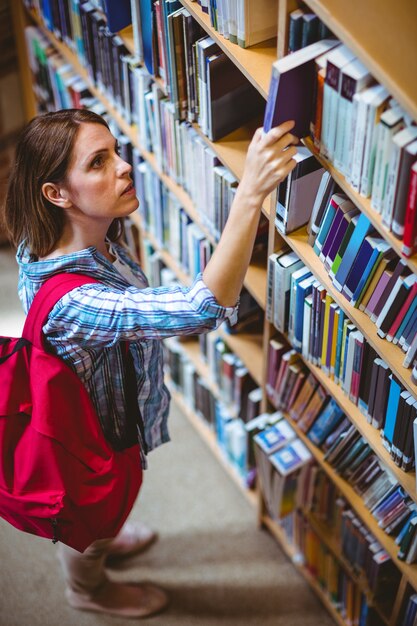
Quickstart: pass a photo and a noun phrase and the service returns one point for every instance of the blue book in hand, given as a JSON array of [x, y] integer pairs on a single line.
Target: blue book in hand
[[362, 229]]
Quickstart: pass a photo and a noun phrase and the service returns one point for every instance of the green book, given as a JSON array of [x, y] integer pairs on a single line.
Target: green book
[[339, 256]]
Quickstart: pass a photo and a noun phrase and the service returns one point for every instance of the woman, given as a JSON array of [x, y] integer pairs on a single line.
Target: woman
[[68, 194]]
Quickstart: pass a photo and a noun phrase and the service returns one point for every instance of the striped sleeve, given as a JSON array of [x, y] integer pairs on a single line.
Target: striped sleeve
[[99, 316]]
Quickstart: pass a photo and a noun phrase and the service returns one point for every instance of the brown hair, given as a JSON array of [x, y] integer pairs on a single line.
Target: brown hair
[[43, 154]]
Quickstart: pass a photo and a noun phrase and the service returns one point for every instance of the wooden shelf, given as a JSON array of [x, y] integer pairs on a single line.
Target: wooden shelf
[[364, 204], [383, 35], [393, 355], [254, 62], [210, 440], [277, 532], [356, 502]]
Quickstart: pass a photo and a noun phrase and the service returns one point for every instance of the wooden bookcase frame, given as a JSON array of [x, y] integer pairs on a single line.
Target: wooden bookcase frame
[[383, 35]]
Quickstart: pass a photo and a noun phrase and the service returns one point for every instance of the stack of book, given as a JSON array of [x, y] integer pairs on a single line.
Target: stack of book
[[305, 28], [243, 22]]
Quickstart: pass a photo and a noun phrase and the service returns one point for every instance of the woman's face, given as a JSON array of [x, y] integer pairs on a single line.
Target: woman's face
[[98, 182]]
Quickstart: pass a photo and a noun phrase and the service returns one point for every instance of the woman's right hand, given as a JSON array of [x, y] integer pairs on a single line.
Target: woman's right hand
[[269, 160]]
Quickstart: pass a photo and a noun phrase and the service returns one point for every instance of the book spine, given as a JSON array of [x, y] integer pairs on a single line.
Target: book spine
[[410, 220]]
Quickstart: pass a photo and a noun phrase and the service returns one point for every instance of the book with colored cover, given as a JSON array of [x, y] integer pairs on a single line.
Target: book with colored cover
[[339, 343], [313, 409], [324, 193], [291, 458], [408, 334], [375, 107], [395, 389], [352, 221], [361, 230], [296, 277], [357, 368], [378, 291], [325, 332], [303, 398], [327, 221], [327, 421], [339, 236], [303, 289], [401, 269], [410, 218], [308, 305], [394, 302], [343, 206], [272, 260], [387, 262], [409, 158], [380, 249], [292, 86], [275, 437], [359, 265], [297, 192]]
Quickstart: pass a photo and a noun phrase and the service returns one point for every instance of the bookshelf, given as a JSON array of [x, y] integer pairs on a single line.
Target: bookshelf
[[383, 36]]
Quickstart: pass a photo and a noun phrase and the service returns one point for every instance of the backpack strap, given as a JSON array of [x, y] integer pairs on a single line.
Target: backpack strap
[[45, 300]]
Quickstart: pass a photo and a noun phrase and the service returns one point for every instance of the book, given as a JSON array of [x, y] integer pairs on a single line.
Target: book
[[296, 194], [400, 270], [352, 221], [275, 437], [380, 247], [410, 219], [296, 277], [328, 217], [361, 230], [291, 457], [285, 266], [403, 154], [395, 390], [363, 113], [325, 191], [379, 412], [335, 244], [227, 88], [327, 421], [256, 21], [118, 14], [343, 206], [359, 265], [303, 289], [354, 78], [295, 30], [336, 61], [393, 304], [369, 356], [291, 88], [390, 123]]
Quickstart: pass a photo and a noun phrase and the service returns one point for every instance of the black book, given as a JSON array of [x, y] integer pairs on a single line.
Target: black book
[[369, 355], [372, 387], [401, 425], [381, 396], [408, 460], [86, 11], [394, 309], [97, 22]]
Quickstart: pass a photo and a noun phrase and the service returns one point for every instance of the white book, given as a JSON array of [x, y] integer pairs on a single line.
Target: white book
[[356, 334], [361, 107], [296, 277], [226, 18], [285, 266], [233, 20], [391, 122], [205, 48], [336, 61], [355, 77], [375, 109], [306, 326], [398, 142]]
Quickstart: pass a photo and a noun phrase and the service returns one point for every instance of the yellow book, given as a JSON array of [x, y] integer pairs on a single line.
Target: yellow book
[[328, 302], [334, 339], [361, 305]]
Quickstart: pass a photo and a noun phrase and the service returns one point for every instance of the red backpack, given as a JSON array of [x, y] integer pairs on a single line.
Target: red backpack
[[59, 476]]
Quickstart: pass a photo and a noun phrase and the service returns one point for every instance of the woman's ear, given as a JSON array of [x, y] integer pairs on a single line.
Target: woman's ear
[[56, 195]]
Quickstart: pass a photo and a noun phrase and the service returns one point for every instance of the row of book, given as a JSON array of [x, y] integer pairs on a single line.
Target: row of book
[[284, 493], [243, 22], [366, 379], [305, 28], [368, 273], [355, 124]]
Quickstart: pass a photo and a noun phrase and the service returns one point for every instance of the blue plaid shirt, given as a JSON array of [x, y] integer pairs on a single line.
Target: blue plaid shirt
[[86, 328]]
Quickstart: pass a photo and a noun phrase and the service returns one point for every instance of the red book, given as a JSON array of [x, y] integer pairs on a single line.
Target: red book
[[410, 224], [405, 307]]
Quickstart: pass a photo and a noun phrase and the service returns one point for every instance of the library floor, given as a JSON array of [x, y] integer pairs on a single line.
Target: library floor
[[217, 567]]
